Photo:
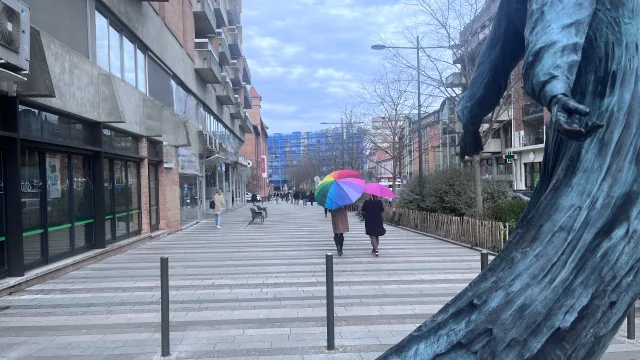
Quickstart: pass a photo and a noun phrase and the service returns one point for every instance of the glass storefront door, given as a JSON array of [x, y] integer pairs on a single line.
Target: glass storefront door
[[57, 205], [189, 199], [154, 197], [531, 175], [122, 199]]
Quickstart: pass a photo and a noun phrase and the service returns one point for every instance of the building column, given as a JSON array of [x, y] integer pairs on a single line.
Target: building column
[[14, 246]]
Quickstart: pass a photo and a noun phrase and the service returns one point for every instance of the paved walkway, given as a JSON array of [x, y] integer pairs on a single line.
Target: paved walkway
[[248, 293]]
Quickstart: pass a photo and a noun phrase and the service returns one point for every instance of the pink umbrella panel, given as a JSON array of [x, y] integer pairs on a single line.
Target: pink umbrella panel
[[379, 190]]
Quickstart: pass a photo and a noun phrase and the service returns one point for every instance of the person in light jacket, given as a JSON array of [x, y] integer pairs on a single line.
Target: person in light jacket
[[340, 223], [218, 200]]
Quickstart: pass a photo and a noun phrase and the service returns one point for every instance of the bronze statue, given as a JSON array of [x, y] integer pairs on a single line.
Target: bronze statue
[[571, 270]]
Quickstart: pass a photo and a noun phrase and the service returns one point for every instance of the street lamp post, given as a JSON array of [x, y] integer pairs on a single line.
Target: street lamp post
[[417, 48]]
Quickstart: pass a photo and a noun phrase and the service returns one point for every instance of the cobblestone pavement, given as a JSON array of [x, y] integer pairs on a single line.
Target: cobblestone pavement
[[252, 292]]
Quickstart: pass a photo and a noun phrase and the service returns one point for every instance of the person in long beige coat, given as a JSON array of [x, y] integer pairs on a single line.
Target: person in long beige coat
[[340, 223], [218, 200]]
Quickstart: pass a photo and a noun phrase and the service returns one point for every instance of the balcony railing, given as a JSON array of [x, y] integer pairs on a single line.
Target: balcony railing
[[246, 74], [206, 62], [234, 13], [532, 139], [247, 97], [236, 76], [246, 125], [224, 92], [220, 10], [223, 49], [236, 109], [204, 18], [234, 42]]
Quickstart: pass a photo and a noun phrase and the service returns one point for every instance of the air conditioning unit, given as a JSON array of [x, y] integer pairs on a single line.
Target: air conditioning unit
[[219, 33], [233, 63], [15, 30], [232, 29], [236, 98]]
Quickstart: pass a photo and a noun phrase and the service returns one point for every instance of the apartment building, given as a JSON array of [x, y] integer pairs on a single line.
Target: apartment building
[[289, 149], [131, 114], [519, 129], [256, 149]]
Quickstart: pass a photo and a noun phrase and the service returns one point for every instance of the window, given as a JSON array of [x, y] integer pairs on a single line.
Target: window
[[119, 142], [129, 61], [141, 71], [117, 53], [122, 205], [159, 83], [115, 63], [102, 41]]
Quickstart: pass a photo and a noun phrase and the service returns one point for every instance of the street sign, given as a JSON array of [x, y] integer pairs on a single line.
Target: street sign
[[509, 157], [404, 177]]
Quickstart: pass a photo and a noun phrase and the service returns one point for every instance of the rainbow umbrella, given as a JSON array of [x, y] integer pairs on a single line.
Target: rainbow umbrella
[[339, 189]]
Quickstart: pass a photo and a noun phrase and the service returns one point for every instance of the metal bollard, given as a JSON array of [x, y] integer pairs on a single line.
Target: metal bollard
[[331, 337], [484, 260], [164, 304], [631, 322]]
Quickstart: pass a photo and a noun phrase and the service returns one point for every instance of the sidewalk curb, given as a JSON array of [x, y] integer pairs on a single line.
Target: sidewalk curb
[[444, 239], [62, 267]]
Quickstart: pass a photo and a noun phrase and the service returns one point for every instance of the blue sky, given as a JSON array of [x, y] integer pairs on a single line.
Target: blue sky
[[308, 56]]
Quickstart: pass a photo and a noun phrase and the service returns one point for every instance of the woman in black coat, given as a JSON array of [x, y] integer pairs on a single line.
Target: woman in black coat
[[372, 210]]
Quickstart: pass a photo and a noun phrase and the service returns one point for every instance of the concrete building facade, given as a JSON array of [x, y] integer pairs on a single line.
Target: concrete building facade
[[131, 115]]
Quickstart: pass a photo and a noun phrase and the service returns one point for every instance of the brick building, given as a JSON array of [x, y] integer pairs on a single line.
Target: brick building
[[256, 149], [129, 116]]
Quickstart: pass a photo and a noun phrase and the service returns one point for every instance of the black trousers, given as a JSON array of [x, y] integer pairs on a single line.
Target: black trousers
[[339, 240]]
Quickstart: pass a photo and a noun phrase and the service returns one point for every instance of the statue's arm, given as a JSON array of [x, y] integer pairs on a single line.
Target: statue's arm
[[500, 54], [555, 34]]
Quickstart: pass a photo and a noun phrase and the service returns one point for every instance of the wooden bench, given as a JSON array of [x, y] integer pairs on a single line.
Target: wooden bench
[[262, 209], [256, 215]]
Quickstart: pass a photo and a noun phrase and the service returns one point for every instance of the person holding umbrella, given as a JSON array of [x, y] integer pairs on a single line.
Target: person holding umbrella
[[372, 210], [340, 224], [334, 192]]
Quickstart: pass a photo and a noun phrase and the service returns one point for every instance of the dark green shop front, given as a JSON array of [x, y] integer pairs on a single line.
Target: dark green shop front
[[76, 182]]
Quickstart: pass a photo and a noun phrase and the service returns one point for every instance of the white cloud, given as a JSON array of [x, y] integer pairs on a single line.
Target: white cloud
[[279, 108], [329, 73]]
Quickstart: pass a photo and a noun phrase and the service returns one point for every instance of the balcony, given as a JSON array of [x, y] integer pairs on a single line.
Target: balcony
[[493, 146], [203, 18], [220, 11], [247, 97], [224, 91], [236, 109], [246, 74], [234, 42], [207, 63], [223, 49], [531, 111], [456, 80], [234, 72], [246, 125], [234, 13]]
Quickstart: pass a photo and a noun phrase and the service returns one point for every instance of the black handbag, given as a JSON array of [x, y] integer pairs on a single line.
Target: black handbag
[[212, 204]]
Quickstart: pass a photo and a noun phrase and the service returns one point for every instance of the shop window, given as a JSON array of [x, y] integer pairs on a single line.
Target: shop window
[[108, 195], [133, 178], [58, 199], [82, 201], [31, 187], [119, 142], [154, 195], [42, 125], [154, 150], [122, 207]]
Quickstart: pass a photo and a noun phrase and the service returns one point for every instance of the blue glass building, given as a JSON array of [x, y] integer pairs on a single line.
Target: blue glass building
[[287, 150]]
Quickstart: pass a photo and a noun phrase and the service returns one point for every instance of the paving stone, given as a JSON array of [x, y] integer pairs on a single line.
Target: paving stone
[[246, 293]]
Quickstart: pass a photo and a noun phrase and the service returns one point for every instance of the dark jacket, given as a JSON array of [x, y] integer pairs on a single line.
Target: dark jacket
[[372, 211], [254, 197], [296, 196]]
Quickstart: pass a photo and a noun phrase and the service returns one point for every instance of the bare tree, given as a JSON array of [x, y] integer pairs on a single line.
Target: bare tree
[[390, 99], [453, 32], [254, 180]]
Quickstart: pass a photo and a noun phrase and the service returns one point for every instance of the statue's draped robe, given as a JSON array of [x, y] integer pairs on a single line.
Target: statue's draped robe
[[562, 284]]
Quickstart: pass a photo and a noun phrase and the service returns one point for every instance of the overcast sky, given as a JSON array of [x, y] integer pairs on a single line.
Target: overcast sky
[[307, 56]]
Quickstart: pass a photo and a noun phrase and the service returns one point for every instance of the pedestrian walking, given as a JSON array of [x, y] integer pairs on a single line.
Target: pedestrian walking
[[340, 223], [304, 197], [254, 199], [218, 201], [372, 210], [296, 197], [312, 197]]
